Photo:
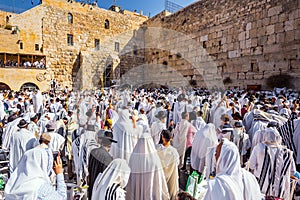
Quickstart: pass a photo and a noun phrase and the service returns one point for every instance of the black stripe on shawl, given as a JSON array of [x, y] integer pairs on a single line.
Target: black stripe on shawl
[[264, 169]]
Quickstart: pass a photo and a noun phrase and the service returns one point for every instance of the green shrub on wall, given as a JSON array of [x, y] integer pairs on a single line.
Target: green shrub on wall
[[8, 27]]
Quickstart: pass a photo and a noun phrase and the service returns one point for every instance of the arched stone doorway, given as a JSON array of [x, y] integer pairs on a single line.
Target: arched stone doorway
[[4, 86], [29, 86], [107, 76]]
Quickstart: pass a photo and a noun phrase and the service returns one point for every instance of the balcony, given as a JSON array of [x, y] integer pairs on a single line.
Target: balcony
[[24, 61]]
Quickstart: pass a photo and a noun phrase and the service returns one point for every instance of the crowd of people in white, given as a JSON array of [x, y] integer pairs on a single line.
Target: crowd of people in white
[[125, 144]]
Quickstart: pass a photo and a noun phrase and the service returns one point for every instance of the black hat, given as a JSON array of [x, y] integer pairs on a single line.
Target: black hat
[[181, 97], [89, 113], [106, 137], [160, 115], [22, 123]]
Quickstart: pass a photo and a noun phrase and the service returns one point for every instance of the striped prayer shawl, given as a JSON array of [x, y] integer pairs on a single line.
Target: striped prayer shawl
[[111, 193], [281, 167], [287, 160], [286, 131], [265, 168]]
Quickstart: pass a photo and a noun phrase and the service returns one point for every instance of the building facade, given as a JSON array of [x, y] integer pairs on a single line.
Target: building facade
[[74, 43]]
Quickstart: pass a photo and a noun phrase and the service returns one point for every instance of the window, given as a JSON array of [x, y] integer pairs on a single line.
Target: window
[[70, 18], [106, 24], [21, 45], [204, 44], [97, 44], [36, 47], [70, 39], [117, 46]]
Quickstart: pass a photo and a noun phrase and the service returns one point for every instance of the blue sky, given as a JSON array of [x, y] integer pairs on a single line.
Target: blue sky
[[147, 6]]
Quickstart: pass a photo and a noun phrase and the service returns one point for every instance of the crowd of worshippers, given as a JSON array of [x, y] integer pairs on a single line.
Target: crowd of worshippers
[[134, 144], [27, 64]]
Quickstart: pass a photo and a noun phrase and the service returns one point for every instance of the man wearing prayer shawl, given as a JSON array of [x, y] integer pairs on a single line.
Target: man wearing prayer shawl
[[31, 180], [169, 160], [111, 183], [158, 126], [57, 141], [272, 165], [21, 141], [231, 181], [147, 179], [10, 128], [126, 133], [183, 138], [99, 158], [37, 99], [204, 139]]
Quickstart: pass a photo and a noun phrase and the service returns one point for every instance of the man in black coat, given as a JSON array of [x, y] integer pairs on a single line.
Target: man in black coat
[[99, 158]]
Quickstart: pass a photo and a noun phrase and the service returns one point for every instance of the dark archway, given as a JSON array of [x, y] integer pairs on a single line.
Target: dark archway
[[4, 86], [108, 76], [29, 86]]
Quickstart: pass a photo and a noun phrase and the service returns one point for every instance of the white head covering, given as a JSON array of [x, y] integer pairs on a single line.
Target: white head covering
[[147, 180], [117, 171], [231, 181], [204, 138], [30, 174], [125, 135], [271, 136]]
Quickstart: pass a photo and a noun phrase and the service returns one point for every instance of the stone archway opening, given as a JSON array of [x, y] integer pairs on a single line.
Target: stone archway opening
[[108, 76], [29, 86], [4, 86]]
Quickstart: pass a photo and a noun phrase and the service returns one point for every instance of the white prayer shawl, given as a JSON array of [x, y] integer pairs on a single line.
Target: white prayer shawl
[[178, 109], [147, 179], [219, 111], [76, 157], [2, 112], [87, 144], [257, 163], [57, 141], [247, 121], [205, 111], [125, 135], [151, 115], [256, 126], [29, 176], [82, 117], [10, 128], [117, 171], [231, 182], [33, 127], [156, 130], [199, 123], [210, 162], [21, 141], [180, 137], [170, 161], [38, 102], [204, 139], [296, 139], [257, 138]]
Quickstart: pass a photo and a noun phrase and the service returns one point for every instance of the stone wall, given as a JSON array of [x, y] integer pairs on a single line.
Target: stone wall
[[247, 41]]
